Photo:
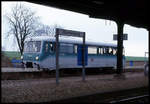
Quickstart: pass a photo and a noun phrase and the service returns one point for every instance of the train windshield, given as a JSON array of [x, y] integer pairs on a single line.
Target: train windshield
[[32, 46]]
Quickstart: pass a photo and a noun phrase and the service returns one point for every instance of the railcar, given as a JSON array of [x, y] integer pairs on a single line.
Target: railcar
[[39, 52]]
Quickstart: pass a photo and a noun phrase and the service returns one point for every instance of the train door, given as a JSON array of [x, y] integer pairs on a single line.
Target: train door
[[48, 54], [80, 55], [46, 50], [45, 60], [52, 56]]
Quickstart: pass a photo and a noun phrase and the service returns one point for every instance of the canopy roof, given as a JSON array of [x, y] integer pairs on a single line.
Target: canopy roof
[[132, 12]]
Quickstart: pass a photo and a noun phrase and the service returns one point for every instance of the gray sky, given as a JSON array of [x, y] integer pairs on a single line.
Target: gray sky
[[98, 30]]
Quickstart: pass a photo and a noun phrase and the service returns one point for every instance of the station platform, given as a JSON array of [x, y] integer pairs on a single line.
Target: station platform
[[46, 90], [9, 69], [33, 73]]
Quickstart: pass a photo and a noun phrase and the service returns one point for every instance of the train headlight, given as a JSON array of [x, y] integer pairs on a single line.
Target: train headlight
[[21, 57], [36, 57]]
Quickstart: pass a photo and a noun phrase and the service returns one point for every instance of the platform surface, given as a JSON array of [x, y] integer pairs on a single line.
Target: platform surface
[[46, 90], [5, 69]]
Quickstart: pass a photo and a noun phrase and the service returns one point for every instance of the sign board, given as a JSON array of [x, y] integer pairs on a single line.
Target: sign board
[[80, 55], [125, 37], [70, 33], [60, 32]]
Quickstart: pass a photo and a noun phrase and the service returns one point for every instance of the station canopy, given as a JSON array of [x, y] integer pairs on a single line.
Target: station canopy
[[131, 12]]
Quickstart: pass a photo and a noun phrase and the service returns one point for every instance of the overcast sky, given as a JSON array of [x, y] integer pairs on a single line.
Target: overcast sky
[[98, 30]]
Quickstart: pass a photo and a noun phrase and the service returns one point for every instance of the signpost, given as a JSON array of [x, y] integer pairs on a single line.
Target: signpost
[[125, 37], [68, 33]]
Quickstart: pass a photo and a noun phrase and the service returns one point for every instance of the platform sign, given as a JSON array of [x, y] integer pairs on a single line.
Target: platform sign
[[125, 37], [70, 33], [64, 32], [80, 55]]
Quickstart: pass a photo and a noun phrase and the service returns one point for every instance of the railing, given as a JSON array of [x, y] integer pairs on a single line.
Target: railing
[[16, 63]]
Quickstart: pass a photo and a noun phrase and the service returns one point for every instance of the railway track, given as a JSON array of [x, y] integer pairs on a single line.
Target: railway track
[[135, 95], [135, 99]]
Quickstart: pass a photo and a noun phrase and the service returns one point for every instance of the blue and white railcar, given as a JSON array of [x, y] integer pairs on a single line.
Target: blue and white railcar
[[40, 52]]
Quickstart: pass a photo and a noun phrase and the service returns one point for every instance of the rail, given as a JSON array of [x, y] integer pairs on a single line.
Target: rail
[[129, 99]]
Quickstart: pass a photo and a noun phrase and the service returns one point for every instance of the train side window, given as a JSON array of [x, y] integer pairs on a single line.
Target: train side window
[[75, 49], [92, 50], [100, 50], [107, 50], [114, 51], [110, 51], [104, 50], [97, 50], [66, 48]]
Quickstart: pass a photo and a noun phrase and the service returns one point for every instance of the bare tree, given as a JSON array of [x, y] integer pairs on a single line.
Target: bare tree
[[48, 30], [22, 22]]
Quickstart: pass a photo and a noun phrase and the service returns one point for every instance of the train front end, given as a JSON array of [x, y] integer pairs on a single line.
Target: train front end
[[32, 53]]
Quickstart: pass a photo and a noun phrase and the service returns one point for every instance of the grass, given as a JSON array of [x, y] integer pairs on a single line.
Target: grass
[[12, 54]]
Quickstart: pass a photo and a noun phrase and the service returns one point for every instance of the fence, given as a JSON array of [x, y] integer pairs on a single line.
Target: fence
[[16, 63]]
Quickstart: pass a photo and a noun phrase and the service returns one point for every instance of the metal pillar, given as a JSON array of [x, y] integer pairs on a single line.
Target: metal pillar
[[83, 65], [57, 56], [120, 47], [148, 40]]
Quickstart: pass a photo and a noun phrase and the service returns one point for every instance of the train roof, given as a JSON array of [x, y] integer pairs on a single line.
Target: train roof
[[69, 40]]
